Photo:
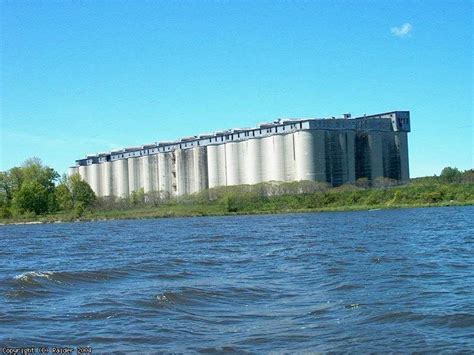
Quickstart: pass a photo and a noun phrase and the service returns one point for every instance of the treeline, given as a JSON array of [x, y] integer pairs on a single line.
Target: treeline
[[35, 189]]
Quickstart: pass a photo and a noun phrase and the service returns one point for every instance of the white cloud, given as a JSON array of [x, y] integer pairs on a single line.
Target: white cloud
[[402, 30]]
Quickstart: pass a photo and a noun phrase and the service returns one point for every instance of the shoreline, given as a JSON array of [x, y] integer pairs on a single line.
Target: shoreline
[[156, 213]]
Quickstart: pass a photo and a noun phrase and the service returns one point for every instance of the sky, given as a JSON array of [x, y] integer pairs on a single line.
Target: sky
[[82, 77]]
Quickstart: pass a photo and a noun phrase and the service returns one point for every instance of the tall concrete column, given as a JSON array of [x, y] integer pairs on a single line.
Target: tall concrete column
[[289, 157], [106, 178], [278, 161], [350, 156], [212, 165], [120, 177], [165, 170], [83, 172], [268, 158], [403, 149], [184, 165], [134, 174], [376, 154], [232, 163], [319, 154], [200, 170], [147, 173], [254, 161], [310, 155]]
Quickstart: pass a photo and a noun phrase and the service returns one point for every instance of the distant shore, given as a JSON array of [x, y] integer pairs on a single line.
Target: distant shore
[[198, 211], [266, 198]]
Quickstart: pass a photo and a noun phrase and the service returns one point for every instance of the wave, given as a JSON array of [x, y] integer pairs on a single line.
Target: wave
[[38, 277], [454, 320], [201, 296], [40, 283]]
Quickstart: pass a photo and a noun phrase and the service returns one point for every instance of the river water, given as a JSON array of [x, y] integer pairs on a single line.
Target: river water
[[372, 281]]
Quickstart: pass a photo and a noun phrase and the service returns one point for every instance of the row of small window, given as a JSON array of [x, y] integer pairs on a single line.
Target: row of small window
[[197, 143], [254, 133]]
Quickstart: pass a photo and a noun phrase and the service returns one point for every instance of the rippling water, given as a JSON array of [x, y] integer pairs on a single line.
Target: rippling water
[[399, 280]]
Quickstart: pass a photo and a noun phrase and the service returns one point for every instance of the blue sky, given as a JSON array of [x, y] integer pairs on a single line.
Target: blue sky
[[81, 77]]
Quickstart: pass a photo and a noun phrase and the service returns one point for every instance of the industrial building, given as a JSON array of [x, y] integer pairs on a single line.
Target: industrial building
[[332, 150]]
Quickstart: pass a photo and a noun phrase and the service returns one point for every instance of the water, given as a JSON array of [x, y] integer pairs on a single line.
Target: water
[[399, 280]]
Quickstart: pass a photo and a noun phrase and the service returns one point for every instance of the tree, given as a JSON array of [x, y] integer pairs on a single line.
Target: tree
[[34, 170], [81, 192], [33, 197], [63, 197], [450, 175]]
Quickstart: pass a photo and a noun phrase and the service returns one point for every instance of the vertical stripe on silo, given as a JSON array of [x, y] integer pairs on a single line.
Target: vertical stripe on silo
[[106, 178], [253, 161], [267, 159], [289, 157], [278, 161], [155, 173], [147, 174], [182, 179], [319, 155], [403, 149], [242, 154], [213, 166], [350, 156], [200, 170], [222, 164], [232, 163], [133, 175], [96, 179], [83, 172], [305, 155], [197, 173], [165, 173], [115, 177], [376, 159], [122, 178]]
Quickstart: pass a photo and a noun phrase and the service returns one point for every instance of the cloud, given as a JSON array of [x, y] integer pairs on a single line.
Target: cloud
[[402, 30]]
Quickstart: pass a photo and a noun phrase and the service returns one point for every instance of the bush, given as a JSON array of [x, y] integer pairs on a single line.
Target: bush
[[5, 212]]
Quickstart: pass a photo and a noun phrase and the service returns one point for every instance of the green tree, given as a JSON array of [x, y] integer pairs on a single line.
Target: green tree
[[63, 197], [33, 197], [81, 192], [450, 175], [10, 181], [34, 170]]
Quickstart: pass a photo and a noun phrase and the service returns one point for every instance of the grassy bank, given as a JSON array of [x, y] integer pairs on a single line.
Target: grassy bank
[[275, 198]]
